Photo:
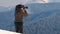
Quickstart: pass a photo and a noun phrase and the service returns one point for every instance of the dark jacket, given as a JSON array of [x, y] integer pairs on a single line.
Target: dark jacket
[[20, 14]]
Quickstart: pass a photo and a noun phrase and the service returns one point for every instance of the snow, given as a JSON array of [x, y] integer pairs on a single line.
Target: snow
[[7, 32]]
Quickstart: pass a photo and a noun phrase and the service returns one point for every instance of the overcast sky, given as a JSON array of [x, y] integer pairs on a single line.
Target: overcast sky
[[7, 3]]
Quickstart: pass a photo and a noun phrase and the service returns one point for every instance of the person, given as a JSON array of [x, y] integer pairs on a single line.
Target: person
[[20, 12]]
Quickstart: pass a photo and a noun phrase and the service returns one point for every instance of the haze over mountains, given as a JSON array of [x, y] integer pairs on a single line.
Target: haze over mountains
[[42, 19]]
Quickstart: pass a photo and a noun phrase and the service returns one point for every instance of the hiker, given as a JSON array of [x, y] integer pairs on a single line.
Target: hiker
[[20, 12]]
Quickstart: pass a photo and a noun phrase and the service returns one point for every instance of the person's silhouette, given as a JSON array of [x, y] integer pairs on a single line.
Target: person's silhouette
[[20, 12]]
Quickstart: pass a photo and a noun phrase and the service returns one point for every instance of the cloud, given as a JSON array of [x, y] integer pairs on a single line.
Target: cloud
[[8, 3], [46, 1], [54, 0], [39, 1]]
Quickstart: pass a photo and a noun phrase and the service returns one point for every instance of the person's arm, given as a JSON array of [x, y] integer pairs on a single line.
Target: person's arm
[[25, 13]]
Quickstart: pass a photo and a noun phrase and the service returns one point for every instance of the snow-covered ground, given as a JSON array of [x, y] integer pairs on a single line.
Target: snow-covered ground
[[7, 32]]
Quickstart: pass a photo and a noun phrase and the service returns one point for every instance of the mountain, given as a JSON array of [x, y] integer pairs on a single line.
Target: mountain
[[2, 9], [46, 20], [6, 18], [41, 10], [44, 25]]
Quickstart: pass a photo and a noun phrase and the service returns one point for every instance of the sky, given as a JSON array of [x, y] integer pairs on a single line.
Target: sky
[[7, 3]]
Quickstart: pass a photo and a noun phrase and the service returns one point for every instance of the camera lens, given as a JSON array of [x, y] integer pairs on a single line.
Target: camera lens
[[26, 7]]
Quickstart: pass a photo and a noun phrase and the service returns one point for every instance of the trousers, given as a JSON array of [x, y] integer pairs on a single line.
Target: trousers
[[19, 27]]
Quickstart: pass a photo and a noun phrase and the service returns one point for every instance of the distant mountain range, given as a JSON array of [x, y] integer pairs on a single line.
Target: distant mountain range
[[41, 10], [42, 18], [2, 8]]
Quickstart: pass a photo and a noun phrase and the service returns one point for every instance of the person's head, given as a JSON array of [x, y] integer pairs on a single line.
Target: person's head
[[18, 7]]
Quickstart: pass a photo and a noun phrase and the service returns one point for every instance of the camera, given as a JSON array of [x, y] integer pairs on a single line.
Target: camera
[[25, 7]]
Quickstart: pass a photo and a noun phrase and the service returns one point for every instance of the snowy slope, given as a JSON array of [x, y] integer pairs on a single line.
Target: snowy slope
[[46, 20], [41, 10], [6, 19], [7, 32]]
